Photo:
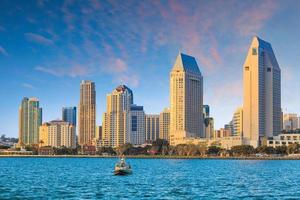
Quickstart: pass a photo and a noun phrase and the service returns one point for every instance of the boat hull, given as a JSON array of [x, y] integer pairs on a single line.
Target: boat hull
[[122, 172]]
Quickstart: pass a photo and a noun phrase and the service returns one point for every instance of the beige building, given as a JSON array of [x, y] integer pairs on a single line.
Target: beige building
[[57, 133], [87, 113], [115, 127], [152, 127], [164, 124], [284, 139], [186, 99], [262, 93], [237, 122], [290, 122]]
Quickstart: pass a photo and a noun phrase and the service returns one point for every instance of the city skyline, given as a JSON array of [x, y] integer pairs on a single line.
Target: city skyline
[[56, 83]]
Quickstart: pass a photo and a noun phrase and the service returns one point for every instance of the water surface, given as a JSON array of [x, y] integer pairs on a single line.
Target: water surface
[[92, 178]]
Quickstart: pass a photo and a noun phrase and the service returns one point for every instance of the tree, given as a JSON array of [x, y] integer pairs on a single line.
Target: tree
[[202, 146], [281, 150], [265, 149], [242, 150], [213, 150], [293, 148], [122, 149]]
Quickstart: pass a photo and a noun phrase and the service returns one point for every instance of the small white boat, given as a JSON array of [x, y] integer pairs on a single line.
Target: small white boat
[[121, 168]]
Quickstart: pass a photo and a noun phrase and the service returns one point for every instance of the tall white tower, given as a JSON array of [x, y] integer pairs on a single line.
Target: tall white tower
[[186, 99], [262, 93]]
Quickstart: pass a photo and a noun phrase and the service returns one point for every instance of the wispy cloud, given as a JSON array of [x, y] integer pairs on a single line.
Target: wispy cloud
[[75, 71], [33, 37], [28, 86], [3, 51]]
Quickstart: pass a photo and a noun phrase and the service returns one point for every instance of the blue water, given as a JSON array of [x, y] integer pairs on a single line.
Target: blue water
[[91, 178]]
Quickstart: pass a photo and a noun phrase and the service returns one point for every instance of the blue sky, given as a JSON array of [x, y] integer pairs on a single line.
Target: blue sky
[[47, 47]]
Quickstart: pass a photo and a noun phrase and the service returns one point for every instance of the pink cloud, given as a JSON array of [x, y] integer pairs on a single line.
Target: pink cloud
[[33, 37]]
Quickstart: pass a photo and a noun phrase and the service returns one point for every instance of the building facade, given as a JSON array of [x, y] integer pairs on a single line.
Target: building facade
[[237, 122], [262, 93], [87, 113], [152, 127], [164, 124], [186, 99], [57, 133], [115, 125], [69, 115], [137, 133], [290, 122], [30, 118]]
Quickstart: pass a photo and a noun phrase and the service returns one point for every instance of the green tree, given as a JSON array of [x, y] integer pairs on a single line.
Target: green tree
[[293, 148], [214, 150], [281, 150], [265, 149], [242, 150]]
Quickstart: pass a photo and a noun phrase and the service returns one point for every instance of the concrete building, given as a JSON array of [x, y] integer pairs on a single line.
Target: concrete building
[[290, 122], [137, 133], [209, 127], [164, 124], [262, 93], [186, 99], [152, 127], [30, 118], [222, 133], [69, 115], [237, 122], [57, 133], [87, 113], [115, 125], [284, 139]]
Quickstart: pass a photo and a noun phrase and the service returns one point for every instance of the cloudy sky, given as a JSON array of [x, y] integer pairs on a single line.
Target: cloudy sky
[[47, 47]]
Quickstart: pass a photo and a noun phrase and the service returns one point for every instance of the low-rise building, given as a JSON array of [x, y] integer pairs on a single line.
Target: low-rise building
[[284, 139]]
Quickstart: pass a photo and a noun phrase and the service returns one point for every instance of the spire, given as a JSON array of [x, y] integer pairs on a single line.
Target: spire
[[186, 63]]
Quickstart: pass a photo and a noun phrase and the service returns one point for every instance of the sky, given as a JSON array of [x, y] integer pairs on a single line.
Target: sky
[[48, 47]]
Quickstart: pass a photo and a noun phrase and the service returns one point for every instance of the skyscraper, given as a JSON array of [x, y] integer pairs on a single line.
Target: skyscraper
[[186, 98], [152, 127], [164, 124], [137, 135], [30, 118], [115, 119], [69, 115], [237, 122], [87, 113], [262, 93]]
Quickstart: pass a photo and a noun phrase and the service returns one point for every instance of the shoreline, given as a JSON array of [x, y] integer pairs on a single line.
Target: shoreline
[[155, 157]]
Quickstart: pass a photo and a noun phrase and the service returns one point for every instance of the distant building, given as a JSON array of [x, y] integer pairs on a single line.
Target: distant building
[[186, 99], [152, 127], [206, 112], [222, 133], [137, 134], [290, 122], [115, 120], [30, 118], [57, 133], [99, 134], [284, 139], [164, 124], [237, 122], [262, 93], [87, 113], [69, 115], [209, 127]]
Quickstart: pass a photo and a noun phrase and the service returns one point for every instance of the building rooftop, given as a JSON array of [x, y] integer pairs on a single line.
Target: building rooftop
[[186, 63]]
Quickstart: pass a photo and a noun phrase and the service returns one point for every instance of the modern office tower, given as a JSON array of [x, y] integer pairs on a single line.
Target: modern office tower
[[87, 113], [30, 118], [164, 124], [229, 127], [262, 93], [209, 127], [186, 98], [237, 122], [99, 134], [69, 115], [290, 122], [137, 134], [115, 119], [205, 111], [152, 127], [57, 133]]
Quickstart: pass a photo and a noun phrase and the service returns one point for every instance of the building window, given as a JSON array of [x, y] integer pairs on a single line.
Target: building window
[[269, 69], [254, 51], [247, 68]]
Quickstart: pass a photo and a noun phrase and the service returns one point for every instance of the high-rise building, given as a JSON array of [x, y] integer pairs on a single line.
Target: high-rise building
[[290, 122], [87, 113], [237, 122], [186, 98], [164, 124], [137, 134], [57, 133], [30, 118], [152, 127], [209, 127], [262, 93], [69, 115], [205, 111], [115, 119]]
